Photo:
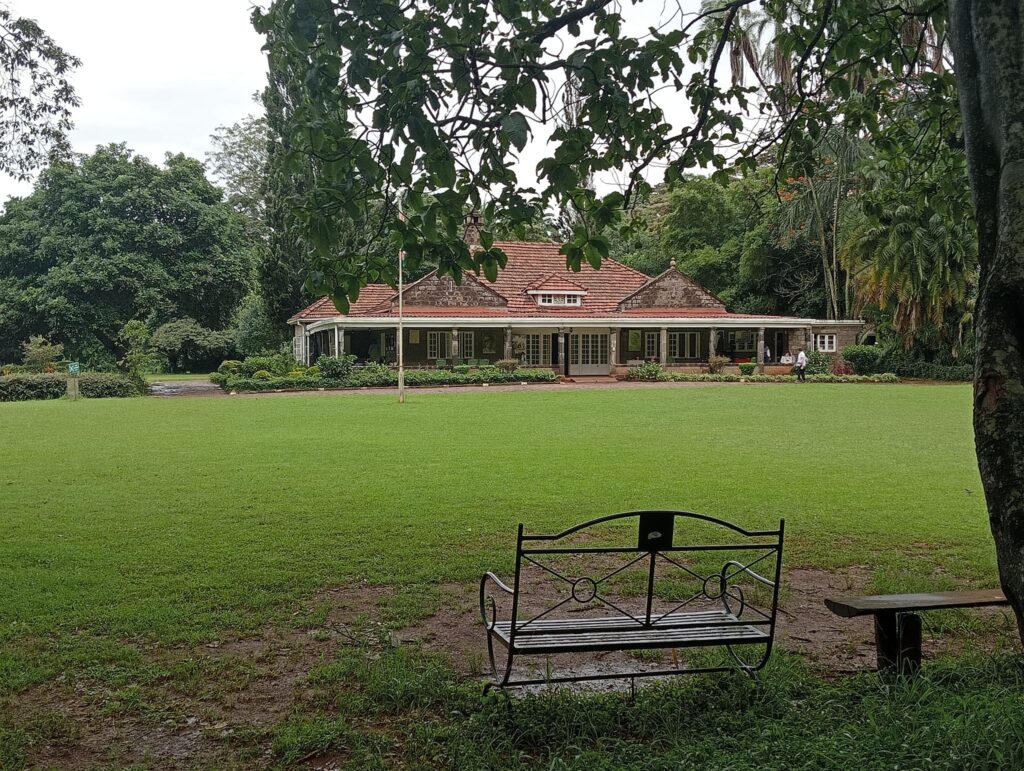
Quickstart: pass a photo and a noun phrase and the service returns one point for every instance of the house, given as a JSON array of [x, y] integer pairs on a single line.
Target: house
[[595, 322]]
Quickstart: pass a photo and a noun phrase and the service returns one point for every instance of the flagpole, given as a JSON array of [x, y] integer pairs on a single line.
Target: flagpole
[[401, 333]]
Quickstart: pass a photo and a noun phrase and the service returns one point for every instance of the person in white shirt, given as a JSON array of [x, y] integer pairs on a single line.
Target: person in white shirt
[[801, 366], [767, 354]]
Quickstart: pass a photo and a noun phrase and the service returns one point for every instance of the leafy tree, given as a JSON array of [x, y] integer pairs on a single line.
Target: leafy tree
[[111, 237], [188, 345], [425, 98], [39, 354], [238, 161], [254, 331], [36, 97]]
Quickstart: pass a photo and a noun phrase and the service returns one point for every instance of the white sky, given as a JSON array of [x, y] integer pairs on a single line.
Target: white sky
[[161, 76], [158, 75]]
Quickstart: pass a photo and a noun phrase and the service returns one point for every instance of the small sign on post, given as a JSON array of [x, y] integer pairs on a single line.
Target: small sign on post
[[74, 370]]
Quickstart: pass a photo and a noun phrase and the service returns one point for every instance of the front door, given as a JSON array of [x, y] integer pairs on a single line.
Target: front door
[[588, 353]]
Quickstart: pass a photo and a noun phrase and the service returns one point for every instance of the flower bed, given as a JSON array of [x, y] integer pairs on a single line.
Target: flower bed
[[653, 372]]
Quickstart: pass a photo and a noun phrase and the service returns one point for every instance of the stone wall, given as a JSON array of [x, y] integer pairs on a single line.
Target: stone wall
[[845, 334], [672, 289], [443, 292]]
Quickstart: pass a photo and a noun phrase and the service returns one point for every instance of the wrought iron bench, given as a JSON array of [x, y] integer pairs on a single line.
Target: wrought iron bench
[[651, 593]]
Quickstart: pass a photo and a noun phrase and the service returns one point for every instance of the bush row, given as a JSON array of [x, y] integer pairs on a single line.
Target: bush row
[[685, 377], [94, 385], [870, 359], [378, 375]]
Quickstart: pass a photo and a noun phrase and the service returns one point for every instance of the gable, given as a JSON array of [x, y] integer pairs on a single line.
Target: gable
[[443, 292], [671, 289]]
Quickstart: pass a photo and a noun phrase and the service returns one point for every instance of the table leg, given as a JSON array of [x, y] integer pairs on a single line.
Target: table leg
[[898, 642]]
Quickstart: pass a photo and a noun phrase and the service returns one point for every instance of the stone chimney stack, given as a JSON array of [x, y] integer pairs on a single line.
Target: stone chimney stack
[[471, 229]]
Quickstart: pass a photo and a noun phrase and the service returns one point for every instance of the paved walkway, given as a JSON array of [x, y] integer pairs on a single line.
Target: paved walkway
[[169, 388]]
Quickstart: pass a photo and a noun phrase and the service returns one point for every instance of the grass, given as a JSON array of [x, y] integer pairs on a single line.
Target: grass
[[138, 523]]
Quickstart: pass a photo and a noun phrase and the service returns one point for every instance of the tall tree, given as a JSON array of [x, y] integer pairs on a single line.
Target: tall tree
[[36, 97], [435, 100], [111, 237], [238, 163]]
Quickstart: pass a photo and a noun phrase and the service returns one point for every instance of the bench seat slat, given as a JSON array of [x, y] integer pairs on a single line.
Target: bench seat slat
[[616, 633]]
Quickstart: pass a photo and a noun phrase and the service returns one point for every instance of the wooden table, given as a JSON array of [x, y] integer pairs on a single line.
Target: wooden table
[[897, 625]]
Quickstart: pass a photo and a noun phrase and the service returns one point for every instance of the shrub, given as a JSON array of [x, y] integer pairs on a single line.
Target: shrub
[[748, 368], [39, 354], [716, 363], [12, 369], [906, 365], [103, 385], [262, 374], [841, 366], [372, 375], [865, 359], [95, 385], [818, 363], [313, 371], [24, 387], [229, 367], [507, 365], [649, 371], [336, 367], [277, 364], [461, 369]]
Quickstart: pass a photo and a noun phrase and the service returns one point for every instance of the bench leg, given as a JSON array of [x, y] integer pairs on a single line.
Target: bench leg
[[898, 642]]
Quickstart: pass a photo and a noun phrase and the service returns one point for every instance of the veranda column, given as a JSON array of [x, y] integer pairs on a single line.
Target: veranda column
[[337, 341], [561, 351], [712, 342], [305, 346], [663, 339], [455, 345], [341, 341], [508, 343], [808, 340], [613, 347], [760, 350]]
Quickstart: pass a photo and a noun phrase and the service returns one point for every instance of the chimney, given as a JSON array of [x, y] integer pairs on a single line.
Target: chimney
[[471, 229]]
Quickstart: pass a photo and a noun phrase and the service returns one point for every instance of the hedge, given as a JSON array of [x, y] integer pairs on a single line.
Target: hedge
[[373, 376], [685, 377], [94, 385], [868, 360]]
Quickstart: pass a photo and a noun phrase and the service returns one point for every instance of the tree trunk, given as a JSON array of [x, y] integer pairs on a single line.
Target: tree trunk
[[987, 44]]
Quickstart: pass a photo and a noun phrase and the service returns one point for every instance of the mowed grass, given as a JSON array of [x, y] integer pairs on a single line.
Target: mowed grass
[[181, 521]]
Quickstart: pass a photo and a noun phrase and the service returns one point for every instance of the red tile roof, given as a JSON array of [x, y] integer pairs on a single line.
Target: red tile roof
[[530, 266]]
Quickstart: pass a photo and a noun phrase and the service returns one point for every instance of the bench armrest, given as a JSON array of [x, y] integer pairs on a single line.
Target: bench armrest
[[487, 600]]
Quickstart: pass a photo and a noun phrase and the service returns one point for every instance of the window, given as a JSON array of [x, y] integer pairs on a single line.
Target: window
[[466, 345], [826, 343], [588, 350], [743, 341], [683, 345], [537, 350], [558, 298], [651, 345], [437, 345]]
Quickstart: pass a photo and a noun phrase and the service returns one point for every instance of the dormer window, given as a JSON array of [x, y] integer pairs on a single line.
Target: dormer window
[[560, 298]]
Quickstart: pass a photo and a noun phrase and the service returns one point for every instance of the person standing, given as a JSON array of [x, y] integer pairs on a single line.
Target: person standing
[[767, 354], [801, 366]]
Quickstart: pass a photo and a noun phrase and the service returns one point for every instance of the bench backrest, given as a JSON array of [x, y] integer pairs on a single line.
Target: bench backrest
[[698, 562]]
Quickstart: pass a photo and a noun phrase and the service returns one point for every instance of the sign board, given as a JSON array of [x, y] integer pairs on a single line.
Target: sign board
[[74, 368]]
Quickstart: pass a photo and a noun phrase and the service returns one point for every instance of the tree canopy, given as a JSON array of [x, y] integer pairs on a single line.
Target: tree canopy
[[111, 237]]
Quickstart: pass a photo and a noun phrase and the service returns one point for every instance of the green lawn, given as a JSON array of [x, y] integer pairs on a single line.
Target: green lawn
[[133, 525]]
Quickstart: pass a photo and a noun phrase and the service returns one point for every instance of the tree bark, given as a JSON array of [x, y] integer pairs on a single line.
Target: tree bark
[[986, 38]]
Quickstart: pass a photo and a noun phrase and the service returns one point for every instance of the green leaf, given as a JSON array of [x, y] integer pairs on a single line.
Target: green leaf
[[516, 129]]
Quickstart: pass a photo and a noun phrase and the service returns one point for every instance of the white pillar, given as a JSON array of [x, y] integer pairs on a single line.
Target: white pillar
[[613, 347], [508, 343], [337, 341], [561, 351], [712, 342], [663, 345], [760, 349], [305, 346], [341, 341], [455, 346]]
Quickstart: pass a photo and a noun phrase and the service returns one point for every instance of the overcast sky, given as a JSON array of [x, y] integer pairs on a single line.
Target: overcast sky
[[160, 76]]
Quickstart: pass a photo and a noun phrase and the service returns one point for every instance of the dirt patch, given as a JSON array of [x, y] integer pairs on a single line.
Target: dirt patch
[[217, 698]]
